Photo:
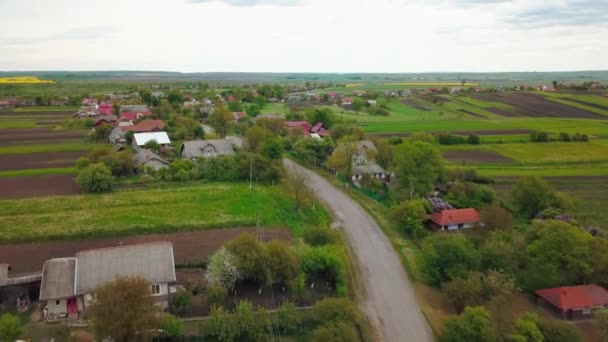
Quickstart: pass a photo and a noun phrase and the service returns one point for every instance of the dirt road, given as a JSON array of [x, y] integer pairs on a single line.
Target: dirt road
[[390, 303]]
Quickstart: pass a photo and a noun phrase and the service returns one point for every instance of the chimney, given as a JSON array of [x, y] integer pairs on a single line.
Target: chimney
[[4, 273]]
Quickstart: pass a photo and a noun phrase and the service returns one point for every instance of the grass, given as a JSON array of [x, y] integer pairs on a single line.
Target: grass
[[38, 172], [17, 123], [45, 109], [71, 146], [273, 108], [165, 209], [24, 80]]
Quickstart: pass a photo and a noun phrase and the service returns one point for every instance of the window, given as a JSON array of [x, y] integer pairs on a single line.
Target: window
[[57, 302], [586, 311], [155, 289]]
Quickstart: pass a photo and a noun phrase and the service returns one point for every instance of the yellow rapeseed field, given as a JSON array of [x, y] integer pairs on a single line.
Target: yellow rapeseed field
[[349, 85], [23, 79]]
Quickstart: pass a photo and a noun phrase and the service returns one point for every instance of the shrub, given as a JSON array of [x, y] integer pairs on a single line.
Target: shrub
[[216, 295], [473, 139], [445, 257], [181, 300], [172, 326], [563, 136], [250, 256], [253, 325], [220, 324], [320, 236], [580, 137], [288, 318], [10, 327], [335, 332], [325, 260], [539, 136], [449, 139], [337, 310], [222, 269], [95, 178], [283, 263]]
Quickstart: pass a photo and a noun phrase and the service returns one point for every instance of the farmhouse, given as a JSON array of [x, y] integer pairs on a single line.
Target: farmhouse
[[89, 102], [347, 101], [8, 103], [17, 291], [236, 116], [105, 109], [141, 108], [68, 283], [134, 115], [104, 120], [146, 158], [573, 302], [363, 161], [141, 139], [206, 148], [303, 125], [454, 219]]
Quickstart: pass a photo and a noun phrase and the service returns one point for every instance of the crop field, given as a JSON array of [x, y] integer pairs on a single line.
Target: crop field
[[168, 209], [24, 80]]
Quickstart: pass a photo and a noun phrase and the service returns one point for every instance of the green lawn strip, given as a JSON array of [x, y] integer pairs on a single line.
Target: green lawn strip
[[64, 146], [38, 172], [45, 109], [165, 209], [481, 103], [274, 108], [4, 124], [542, 171]]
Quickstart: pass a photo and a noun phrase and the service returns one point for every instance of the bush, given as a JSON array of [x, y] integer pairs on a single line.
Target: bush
[[539, 136], [216, 295], [337, 310], [474, 324], [10, 327], [449, 139], [172, 326], [325, 260], [335, 332], [320, 236], [96, 178], [565, 137], [580, 137], [250, 256], [288, 318], [283, 263], [473, 139], [447, 256], [181, 300]]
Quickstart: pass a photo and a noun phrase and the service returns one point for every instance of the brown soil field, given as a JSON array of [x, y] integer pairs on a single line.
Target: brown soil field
[[414, 104], [474, 157], [34, 186], [37, 134], [188, 247], [487, 132], [594, 105], [38, 160], [466, 111], [534, 105]]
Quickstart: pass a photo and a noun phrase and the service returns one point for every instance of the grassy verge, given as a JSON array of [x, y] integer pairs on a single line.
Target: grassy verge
[[164, 209], [72, 146], [38, 172]]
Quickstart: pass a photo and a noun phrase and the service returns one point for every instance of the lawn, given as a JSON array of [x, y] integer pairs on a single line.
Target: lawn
[[19, 123], [273, 108], [38, 172], [168, 208], [76, 145]]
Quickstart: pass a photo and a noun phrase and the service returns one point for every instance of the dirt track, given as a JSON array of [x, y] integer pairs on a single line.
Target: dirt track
[[38, 160], [391, 303], [34, 186], [188, 247], [474, 157]]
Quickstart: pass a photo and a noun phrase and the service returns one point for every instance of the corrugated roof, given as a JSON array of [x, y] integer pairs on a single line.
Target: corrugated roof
[[455, 216], [153, 262], [195, 148], [142, 156], [368, 169], [57, 278], [142, 138], [574, 297]]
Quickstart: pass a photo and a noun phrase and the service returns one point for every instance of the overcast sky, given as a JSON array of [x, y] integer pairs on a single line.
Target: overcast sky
[[304, 35]]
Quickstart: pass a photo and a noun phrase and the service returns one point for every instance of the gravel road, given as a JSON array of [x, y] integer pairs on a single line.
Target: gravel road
[[390, 301]]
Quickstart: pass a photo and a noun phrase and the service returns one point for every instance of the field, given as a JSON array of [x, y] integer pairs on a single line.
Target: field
[[165, 209], [23, 80]]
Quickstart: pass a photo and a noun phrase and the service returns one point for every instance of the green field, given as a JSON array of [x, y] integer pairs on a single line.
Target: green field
[[38, 172], [45, 109], [167, 209], [17, 123], [76, 145]]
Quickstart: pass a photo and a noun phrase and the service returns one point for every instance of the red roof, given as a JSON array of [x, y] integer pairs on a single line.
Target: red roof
[[301, 124], [133, 115], [455, 216], [146, 126], [331, 93], [574, 297], [317, 127], [105, 109]]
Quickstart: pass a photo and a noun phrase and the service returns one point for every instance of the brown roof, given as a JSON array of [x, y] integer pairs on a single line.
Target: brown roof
[[146, 126]]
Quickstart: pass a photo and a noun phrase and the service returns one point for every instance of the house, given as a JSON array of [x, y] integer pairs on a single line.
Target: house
[[89, 102], [146, 158], [347, 101], [141, 139], [303, 125], [135, 108], [17, 291], [573, 302], [117, 135], [454, 219], [319, 129], [86, 112], [147, 125], [294, 97], [371, 103], [60, 102], [206, 148], [363, 162], [68, 283], [359, 93], [133, 116], [332, 94], [104, 120], [105, 109], [8, 103], [456, 90], [236, 116], [158, 94], [190, 104]]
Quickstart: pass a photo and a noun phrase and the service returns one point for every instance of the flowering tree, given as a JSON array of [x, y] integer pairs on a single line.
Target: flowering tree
[[222, 270]]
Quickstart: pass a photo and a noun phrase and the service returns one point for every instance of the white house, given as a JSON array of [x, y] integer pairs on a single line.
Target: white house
[[206, 148], [140, 139], [68, 283]]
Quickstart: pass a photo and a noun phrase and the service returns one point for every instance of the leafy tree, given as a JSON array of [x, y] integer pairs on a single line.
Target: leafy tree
[[124, 310], [250, 256], [172, 326], [342, 157], [558, 255], [531, 195], [470, 195], [496, 217], [10, 327], [502, 251], [337, 310], [358, 104], [271, 147], [324, 115], [598, 260], [410, 216], [384, 155], [601, 320], [181, 300], [254, 137], [283, 262], [95, 178], [464, 291], [81, 163], [526, 329], [473, 139], [447, 256], [254, 325], [235, 106], [260, 101], [320, 236], [152, 145], [221, 120], [101, 133], [222, 269], [221, 325], [335, 332], [417, 166], [175, 98], [555, 330], [288, 318], [216, 295], [474, 324]]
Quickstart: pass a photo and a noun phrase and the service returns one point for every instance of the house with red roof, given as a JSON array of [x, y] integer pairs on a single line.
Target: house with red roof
[[132, 116], [105, 108], [305, 126], [454, 219], [8, 103], [89, 102], [573, 302]]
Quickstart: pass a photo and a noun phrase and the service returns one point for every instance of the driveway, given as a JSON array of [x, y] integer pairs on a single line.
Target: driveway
[[390, 302]]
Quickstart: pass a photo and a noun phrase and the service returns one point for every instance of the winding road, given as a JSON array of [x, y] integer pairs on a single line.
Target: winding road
[[390, 302]]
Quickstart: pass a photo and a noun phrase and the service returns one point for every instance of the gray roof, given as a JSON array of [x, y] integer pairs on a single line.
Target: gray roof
[[109, 118], [57, 278], [153, 262], [143, 156], [368, 169], [134, 108], [194, 148], [235, 141], [368, 144]]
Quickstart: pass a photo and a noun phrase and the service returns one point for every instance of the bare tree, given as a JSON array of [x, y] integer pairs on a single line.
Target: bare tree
[[296, 181]]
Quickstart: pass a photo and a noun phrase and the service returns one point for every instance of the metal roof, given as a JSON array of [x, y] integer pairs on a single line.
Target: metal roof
[[142, 138]]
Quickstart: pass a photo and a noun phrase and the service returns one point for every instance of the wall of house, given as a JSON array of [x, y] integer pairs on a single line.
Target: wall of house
[[162, 299], [60, 311]]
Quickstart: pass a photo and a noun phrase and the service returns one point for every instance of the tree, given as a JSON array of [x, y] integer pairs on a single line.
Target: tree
[[447, 256], [250, 257], [410, 216], [358, 104], [253, 325], [324, 115], [152, 145], [417, 166], [101, 133], [320, 236], [464, 291], [222, 269], [531, 195], [216, 295], [181, 300], [172, 326], [601, 320], [221, 325], [95, 178], [384, 154], [221, 120], [283, 262], [252, 110], [502, 250], [296, 181], [254, 137], [124, 310], [555, 330], [342, 157], [335, 332], [288, 318], [271, 147], [235, 106], [526, 329], [496, 217], [474, 324], [598, 260], [10, 328]]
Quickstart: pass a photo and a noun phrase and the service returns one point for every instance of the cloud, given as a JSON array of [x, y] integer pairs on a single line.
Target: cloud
[[567, 13], [250, 3]]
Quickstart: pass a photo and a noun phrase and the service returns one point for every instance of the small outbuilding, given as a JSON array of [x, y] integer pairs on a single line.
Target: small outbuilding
[[206, 148], [141, 139], [455, 219], [573, 302]]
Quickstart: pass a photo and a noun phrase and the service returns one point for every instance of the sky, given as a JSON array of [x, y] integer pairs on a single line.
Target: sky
[[304, 35]]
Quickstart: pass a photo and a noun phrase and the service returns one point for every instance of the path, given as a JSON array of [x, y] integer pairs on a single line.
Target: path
[[390, 301]]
